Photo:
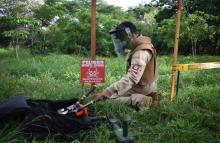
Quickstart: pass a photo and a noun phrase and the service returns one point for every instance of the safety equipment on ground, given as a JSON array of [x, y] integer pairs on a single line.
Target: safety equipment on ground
[[41, 119], [122, 133], [51, 119]]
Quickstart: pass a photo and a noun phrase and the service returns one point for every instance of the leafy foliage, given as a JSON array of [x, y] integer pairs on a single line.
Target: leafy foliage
[[199, 18], [64, 26]]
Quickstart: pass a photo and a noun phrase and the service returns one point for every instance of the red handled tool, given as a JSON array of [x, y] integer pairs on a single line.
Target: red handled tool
[[74, 107]]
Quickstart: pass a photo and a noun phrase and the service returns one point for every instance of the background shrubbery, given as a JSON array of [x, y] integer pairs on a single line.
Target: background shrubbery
[[64, 26]]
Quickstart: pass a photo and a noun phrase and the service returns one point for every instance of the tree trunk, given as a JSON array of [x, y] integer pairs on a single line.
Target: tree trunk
[[17, 49], [32, 39], [192, 47], [217, 49], [10, 44], [195, 47]]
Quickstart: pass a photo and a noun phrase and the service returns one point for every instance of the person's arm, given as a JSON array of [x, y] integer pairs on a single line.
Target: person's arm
[[138, 63]]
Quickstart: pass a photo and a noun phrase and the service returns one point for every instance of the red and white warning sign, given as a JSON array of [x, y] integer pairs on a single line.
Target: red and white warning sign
[[92, 71]]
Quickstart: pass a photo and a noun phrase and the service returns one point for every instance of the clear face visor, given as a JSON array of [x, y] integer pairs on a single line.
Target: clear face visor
[[119, 45]]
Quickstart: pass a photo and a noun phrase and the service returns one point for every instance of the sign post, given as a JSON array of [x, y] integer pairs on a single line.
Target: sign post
[[92, 71], [175, 54], [93, 30]]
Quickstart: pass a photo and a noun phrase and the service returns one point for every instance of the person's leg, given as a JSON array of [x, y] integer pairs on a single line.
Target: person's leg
[[126, 100], [137, 100], [157, 98], [141, 101]]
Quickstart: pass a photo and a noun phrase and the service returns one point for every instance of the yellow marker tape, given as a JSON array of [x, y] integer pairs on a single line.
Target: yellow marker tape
[[196, 66]]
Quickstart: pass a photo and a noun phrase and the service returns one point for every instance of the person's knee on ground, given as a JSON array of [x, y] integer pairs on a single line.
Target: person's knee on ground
[[157, 98], [138, 101], [126, 100], [141, 102]]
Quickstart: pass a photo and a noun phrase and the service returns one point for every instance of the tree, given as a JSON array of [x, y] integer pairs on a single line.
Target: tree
[[166, 31], [194, 29], [20, 24], [206, 10], [145, 13]]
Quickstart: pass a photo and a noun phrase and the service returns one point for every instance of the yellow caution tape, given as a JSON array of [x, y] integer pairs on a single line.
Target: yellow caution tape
[[196, 66]]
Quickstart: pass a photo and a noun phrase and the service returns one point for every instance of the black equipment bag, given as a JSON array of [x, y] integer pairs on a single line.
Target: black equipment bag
[[40, 118]]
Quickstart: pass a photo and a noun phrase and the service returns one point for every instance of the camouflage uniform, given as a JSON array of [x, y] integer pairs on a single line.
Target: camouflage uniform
[[128, 89]]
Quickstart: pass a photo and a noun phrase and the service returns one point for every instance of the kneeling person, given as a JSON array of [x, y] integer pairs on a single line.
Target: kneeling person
[[138, 87]]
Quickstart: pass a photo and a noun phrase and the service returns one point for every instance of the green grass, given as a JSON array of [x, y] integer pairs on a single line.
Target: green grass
[[193, 117]]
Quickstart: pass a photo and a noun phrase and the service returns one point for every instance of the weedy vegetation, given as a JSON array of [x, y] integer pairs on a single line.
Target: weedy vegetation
[[193, 117]]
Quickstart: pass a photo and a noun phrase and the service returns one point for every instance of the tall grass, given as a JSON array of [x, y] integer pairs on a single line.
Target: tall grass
[[194, 116]]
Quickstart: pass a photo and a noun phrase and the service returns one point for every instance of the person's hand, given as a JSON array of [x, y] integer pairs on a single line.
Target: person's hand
[[103, 95]]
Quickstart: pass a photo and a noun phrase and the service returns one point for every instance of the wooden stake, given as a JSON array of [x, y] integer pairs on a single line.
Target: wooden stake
[[175, 54], [93, 30]]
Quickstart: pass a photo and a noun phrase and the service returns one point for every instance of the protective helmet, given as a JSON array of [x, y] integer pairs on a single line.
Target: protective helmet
[[121, 35]]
